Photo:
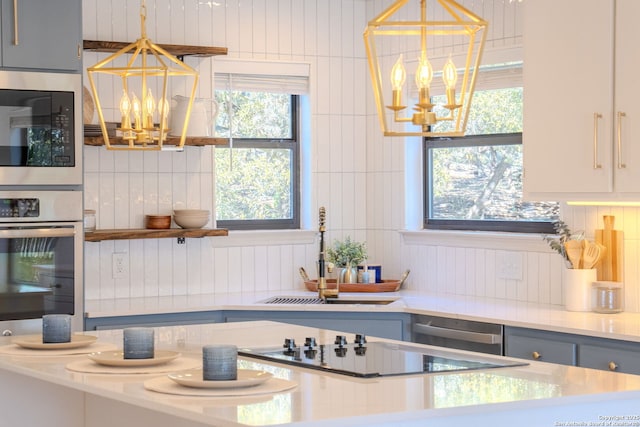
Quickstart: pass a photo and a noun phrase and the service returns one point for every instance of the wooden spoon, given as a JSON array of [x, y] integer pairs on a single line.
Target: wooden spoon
[[574, 252], [592, 254]]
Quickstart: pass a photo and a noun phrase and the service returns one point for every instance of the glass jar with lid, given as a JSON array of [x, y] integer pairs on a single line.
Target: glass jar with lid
[[89, 220]]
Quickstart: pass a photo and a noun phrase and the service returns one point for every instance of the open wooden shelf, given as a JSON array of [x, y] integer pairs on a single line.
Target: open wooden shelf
[[143, 233], [174, 49], [190, 141]]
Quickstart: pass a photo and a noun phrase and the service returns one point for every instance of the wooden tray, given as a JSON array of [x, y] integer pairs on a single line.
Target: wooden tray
[[384, 286]]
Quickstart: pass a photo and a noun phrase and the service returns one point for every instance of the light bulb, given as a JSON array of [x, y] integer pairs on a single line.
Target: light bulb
[[424, 74], [163, 108], [149, 102], [125, 104], [450, 74], [136, 107], [398, 74], [125, 110]]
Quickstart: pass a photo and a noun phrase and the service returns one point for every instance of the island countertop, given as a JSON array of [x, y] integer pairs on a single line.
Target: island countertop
[[536, 394], [621, 326]]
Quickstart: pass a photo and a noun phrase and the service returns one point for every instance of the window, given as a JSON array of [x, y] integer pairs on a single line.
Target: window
[[475, 182], [257, 182]]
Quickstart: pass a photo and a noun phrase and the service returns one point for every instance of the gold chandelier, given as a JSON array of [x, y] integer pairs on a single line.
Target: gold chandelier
[[390, 40], [144, 120]]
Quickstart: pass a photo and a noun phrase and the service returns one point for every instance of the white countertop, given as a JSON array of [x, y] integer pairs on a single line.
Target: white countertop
[[623, 326], [536, 394]]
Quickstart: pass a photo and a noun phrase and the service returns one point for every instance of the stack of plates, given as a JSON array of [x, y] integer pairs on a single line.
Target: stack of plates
[[96, 130]]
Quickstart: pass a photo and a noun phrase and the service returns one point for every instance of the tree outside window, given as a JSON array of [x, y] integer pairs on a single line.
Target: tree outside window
[[257, 173], [475, 182]]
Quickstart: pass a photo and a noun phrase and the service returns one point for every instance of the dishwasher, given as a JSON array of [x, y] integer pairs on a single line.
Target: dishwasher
[[457, 333]]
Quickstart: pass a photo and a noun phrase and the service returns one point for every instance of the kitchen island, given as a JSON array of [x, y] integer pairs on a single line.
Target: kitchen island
[[40, 390]]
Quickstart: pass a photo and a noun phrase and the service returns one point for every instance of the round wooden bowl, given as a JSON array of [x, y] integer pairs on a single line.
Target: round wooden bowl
[[157, 222]]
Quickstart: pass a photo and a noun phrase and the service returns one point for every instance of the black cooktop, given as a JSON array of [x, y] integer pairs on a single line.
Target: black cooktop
[[374, 359]]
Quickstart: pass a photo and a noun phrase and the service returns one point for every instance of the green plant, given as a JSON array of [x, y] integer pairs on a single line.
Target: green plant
[[347, 253], [563, 234]]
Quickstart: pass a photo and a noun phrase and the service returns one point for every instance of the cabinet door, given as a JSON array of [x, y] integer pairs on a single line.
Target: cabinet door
[[568, 77], [49, 34], [609, 358], [542, 350], [627, 161]]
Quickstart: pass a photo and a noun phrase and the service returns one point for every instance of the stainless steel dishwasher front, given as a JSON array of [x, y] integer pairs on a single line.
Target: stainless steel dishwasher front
[[457, 333]]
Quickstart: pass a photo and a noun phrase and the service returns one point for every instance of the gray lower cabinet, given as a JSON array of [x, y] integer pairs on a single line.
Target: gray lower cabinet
[[571, 349], [44, 35], [152, 320], [540, 349], [383, 325], [621, 357]]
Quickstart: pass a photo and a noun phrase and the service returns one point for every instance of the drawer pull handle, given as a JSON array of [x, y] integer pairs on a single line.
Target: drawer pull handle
[[536, 355], [613, 366]]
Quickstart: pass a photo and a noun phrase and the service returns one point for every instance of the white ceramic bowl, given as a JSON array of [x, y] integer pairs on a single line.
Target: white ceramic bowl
[[191, 221], [191, 212]]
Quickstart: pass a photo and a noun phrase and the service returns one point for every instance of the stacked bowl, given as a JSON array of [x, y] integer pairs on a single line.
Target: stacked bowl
[[191, 218]]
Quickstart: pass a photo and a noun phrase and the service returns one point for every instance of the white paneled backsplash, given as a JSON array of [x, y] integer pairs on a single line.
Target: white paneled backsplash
[[358, 175]]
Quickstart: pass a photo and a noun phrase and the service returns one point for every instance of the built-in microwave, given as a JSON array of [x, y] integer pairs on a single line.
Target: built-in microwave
[[40, 129]]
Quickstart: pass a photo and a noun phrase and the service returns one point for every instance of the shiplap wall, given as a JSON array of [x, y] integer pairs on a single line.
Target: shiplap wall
[[358, 175]]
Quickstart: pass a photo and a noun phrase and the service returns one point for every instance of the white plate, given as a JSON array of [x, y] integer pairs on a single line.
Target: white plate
[[35, 342], [116, 358], [246, 378]]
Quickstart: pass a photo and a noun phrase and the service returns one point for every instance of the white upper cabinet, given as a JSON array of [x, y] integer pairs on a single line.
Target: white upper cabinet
[[581, 124]]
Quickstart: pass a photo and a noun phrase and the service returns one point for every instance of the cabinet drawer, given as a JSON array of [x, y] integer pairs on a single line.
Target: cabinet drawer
[[609, 358], [540, 349]]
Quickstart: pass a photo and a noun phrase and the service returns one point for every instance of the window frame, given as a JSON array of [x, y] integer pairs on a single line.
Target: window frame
[[545, 227], [292, 144]]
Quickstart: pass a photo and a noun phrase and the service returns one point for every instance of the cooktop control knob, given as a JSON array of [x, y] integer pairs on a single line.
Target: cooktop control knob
[[289, 344], [361, 339], [340, 341], [340, 351], [310, 342]]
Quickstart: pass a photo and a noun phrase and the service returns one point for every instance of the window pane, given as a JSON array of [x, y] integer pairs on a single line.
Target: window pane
[[492, 111], [475, 182], [253, 183], [254, 115], [482, 183]]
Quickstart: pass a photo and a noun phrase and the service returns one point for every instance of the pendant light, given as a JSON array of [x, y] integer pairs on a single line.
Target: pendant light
[[391, 40], [140, 68]]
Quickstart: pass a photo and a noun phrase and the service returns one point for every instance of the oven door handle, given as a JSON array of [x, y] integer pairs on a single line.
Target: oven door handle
[[456, 334], [36, 232]]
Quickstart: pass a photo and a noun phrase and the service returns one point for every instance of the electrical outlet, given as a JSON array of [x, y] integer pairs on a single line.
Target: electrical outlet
[[510, 266], [120, 265]]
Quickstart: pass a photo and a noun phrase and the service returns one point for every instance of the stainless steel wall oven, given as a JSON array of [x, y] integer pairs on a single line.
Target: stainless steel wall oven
[[41, 239]]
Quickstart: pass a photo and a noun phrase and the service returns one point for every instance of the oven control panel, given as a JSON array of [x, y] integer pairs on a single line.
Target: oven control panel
[[19, 207]]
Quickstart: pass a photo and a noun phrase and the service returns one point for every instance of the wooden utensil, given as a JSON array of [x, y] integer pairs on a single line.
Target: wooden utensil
[[574, 252], [591, 254], [611, 266]]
